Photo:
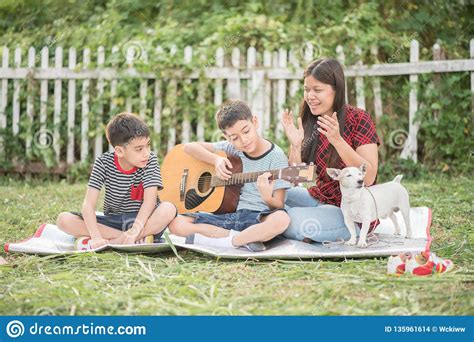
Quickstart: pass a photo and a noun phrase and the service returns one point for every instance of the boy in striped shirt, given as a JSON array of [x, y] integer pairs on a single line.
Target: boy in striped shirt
[[131, 177]]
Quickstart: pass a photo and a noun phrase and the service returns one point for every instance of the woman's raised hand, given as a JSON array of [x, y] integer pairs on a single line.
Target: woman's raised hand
[[329, 126], [294, 135]]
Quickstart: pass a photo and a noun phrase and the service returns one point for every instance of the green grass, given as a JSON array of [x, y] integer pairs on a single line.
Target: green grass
[[131, 284]]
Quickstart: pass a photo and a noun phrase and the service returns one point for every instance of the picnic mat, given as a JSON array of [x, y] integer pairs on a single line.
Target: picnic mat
[[49, 239]]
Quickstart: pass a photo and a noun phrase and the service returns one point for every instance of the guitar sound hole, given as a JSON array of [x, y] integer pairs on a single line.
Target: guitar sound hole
[[204, 182]]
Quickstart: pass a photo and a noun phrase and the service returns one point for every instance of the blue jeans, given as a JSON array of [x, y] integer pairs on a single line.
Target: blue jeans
[[312, 219], [239, 221]]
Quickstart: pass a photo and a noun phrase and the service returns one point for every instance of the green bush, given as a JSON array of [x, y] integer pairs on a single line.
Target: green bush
[[444, 141]]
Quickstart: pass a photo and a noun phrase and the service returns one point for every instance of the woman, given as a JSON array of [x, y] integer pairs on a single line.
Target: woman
[[330, 133]]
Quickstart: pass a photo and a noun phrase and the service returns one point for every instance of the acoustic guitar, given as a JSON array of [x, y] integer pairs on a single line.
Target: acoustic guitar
[[192, 185]]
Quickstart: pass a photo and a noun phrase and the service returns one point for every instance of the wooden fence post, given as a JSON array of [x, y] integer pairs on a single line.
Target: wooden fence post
[[71, 109], [99, 118], [411, 144], [359, 82], [233, 83], [86, 59], [30, 104], [58, 64], [3, 101], [256, 87]]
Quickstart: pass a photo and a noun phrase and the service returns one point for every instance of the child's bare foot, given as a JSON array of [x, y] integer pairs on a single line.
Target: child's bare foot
[[97, 242], [118, 240], [146, 239]]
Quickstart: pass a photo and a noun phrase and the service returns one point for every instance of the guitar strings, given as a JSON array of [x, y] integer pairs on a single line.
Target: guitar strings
[[214, 179]]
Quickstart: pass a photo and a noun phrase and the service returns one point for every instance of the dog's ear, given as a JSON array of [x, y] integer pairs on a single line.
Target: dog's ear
[[363, 168], [333, 173]]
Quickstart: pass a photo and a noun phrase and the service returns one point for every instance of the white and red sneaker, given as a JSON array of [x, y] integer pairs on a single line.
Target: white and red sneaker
[[396, 263], [427, 263], [83, 243]]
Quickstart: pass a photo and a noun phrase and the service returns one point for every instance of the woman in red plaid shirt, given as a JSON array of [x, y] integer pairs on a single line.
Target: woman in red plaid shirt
[[329, 133]]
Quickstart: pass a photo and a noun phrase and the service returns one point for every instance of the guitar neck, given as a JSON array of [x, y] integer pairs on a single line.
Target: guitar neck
[[242, 178]]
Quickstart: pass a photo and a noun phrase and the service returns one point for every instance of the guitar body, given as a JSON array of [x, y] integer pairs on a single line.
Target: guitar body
[[187, 184]]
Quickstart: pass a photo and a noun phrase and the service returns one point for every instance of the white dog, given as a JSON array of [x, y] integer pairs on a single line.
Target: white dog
[[366, 204]]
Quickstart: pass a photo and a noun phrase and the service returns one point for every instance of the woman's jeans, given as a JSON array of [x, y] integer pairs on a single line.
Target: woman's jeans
[[312, 219]]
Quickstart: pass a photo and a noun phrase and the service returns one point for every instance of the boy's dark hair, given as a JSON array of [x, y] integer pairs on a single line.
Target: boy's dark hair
[[125, 127], [232, 111]]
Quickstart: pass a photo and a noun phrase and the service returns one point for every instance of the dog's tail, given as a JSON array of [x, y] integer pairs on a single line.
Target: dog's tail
[[398, 178]]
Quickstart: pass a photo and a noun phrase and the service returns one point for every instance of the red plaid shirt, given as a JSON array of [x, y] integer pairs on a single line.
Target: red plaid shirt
[[359, 130]]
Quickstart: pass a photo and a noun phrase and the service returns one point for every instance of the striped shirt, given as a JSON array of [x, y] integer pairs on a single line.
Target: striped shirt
[[123, 188], [273, 159]]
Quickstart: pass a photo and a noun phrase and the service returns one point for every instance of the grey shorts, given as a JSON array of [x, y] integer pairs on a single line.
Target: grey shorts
[[121, 222]]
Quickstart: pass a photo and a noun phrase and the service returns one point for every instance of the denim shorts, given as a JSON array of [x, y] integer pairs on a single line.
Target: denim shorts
[[239, 221], [121, 222]]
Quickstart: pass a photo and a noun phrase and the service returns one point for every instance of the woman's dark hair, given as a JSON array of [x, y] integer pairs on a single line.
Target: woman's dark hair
[[328, 71]]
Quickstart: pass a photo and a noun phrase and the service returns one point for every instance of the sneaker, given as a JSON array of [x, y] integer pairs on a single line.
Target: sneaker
[[427, 263], [255, 247], [396, 263], [82, 243]]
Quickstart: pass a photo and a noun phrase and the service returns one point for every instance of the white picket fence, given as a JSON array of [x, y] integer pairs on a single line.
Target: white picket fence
[[266, 80]]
